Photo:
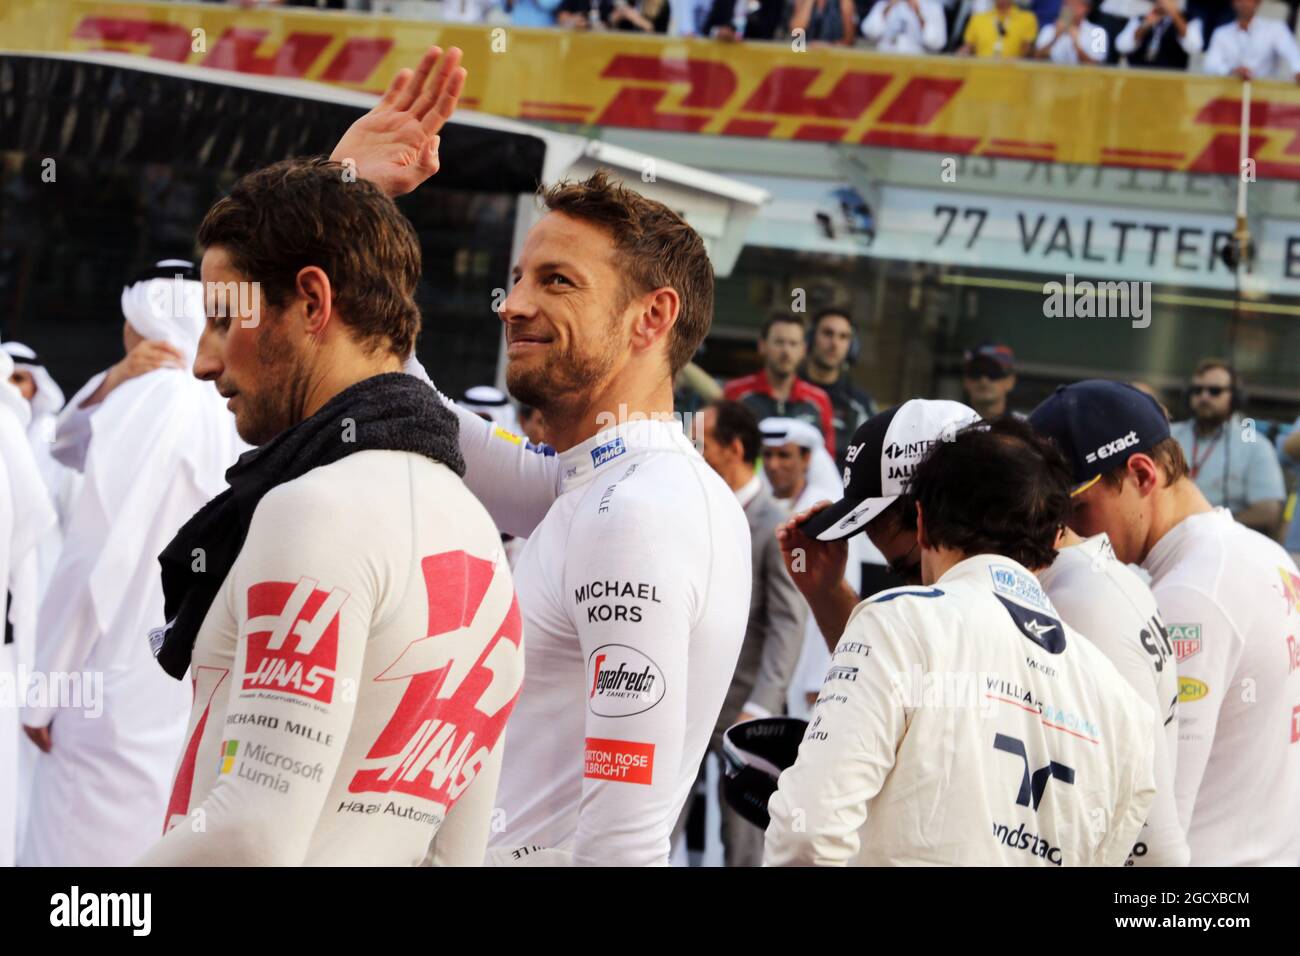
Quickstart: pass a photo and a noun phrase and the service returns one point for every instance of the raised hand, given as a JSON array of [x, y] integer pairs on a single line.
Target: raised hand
[[395, 145], [815, 566], [147, 356]]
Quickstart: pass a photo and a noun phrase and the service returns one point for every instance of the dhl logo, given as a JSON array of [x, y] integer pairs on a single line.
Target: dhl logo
[[751, 98], [710, 102], [1274, 142], [353, 62]]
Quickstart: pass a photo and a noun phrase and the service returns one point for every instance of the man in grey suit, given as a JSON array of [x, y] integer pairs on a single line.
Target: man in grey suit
[[777, 611]]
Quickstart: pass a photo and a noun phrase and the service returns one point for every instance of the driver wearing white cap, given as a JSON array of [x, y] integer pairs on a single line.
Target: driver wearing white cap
[[963, 723], [1095, 593]]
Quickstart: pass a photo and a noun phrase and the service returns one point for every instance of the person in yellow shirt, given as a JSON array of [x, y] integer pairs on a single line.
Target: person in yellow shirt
[[1005, 32]]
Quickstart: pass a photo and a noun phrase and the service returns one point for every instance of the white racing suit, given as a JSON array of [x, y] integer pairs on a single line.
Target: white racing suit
[[965, 724]]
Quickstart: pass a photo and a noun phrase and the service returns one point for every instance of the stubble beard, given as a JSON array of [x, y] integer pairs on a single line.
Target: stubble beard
[[278, 406], [1207, 420], [565, 382]]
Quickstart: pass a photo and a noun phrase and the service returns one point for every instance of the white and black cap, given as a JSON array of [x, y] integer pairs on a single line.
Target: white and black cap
[[880, 460]]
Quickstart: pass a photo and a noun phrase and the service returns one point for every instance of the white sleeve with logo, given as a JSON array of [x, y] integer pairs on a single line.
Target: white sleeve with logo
[[515, 480], [820, 804], [634, 731], [1162, 841], [1209, 672], [244, 821]]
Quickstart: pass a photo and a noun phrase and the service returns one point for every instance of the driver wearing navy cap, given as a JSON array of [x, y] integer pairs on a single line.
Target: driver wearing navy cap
[[1230, 598], [1096, 594]]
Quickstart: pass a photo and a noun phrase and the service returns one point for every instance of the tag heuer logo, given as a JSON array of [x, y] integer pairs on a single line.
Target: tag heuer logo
[[1186, 639]]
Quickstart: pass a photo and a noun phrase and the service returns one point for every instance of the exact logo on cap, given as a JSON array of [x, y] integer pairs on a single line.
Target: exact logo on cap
[[1112, 448], [623, 681]]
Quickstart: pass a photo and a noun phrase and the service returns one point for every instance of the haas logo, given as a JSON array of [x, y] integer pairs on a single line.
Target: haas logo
[[461, 684], [293, 638]]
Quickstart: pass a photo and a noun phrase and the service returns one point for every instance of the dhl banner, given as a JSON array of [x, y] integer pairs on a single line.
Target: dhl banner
[[954, 106]]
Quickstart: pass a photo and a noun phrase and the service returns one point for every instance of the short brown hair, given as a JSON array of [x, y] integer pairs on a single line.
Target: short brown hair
[[776, 318], [1205, 365], [654, 247], [310, 212], [733, 420], [1168, 454]]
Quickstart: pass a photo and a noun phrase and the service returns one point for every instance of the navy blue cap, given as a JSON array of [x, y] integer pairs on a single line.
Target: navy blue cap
[[1098, 424], [994, 352]]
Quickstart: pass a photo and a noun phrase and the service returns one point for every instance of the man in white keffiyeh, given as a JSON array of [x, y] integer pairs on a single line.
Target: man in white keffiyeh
[[153, 444], [26, 514], [45, 399]]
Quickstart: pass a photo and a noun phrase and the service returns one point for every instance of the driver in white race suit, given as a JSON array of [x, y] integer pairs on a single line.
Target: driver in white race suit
[[634, 583], [962, 722]]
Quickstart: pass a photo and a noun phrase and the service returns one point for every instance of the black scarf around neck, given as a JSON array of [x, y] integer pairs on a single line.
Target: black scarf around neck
[[389, 412]]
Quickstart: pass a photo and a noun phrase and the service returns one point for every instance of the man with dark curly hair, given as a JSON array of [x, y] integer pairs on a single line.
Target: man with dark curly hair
[[962, 722]]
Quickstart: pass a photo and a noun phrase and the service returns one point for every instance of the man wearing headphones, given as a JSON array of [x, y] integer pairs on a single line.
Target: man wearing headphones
[[1233, 467], [833, 349]]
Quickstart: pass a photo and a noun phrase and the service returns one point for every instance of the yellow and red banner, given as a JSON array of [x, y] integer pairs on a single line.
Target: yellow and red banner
[[1093, 116]]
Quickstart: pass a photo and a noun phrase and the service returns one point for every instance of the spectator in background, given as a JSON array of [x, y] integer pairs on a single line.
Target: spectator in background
[[833, 349], [792, 465], [788, 449], [906, 26], [1226, 459], [776, 390], [1004, 32], [1253, 47], [825, 21], [1113, 16], [1162, 38], [988, 374], [1045, 11], [1072, 39], [45, 399], [1212, 14], [777, 613], [468, 11], [643, 16], [154, 444], [28, 519], [533, 13], [688, 17], [745, 19], [1288, 449]]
